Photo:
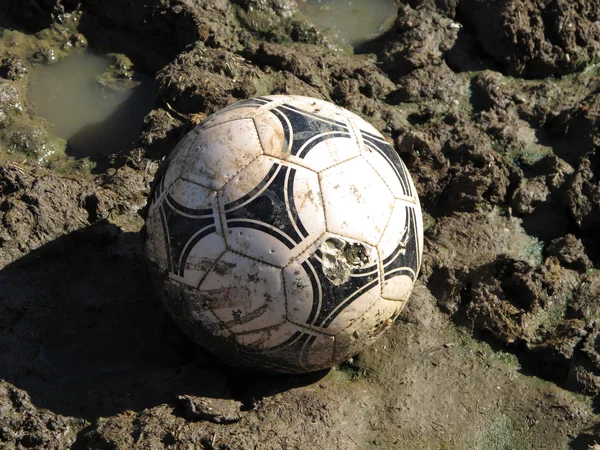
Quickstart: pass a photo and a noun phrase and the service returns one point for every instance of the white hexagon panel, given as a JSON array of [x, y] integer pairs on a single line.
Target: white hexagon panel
[[220, 153], [191, 314], [244, 294], [367, 329], [196, 313], [267, 338], [358, 203], [272, 211]]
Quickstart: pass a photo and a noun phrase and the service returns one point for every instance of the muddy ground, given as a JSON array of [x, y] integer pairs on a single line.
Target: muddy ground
[[495, 108]]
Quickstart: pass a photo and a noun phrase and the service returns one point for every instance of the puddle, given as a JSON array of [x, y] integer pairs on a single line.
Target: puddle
[[351, 21], [92, 112]]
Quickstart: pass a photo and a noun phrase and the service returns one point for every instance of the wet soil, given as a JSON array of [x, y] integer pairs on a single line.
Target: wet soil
[[495, 108]]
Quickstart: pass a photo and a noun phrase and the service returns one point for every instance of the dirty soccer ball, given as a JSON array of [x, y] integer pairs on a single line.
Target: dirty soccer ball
[[285, 233]]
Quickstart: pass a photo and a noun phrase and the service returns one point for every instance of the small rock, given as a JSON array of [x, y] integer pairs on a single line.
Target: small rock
[[222, 411]]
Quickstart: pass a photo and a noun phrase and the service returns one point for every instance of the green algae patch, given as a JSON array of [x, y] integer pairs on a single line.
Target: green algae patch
[[49, 114]]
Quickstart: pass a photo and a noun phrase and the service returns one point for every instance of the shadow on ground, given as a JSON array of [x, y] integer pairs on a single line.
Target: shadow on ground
[[82, 331]]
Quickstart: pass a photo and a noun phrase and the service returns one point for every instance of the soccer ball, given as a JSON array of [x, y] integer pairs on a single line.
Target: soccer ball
[[285, 234]]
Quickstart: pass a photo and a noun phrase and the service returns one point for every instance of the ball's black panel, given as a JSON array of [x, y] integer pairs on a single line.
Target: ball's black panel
[[291, 356], [183, 228], [406, 258], [303, 130], [329, 299], [268, 179], [270, 207], [375, 143]]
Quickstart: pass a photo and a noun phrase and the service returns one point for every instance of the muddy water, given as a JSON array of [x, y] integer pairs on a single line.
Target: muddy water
[[351, 21], [90, 116]]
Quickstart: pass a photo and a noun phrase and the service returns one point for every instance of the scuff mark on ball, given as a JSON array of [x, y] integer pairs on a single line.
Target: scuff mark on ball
[[341, 257]]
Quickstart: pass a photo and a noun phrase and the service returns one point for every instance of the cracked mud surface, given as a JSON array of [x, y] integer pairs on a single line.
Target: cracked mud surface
[[493, 106]]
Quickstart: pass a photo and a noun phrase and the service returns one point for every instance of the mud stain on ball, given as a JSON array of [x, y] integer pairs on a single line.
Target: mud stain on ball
[[341, 258], [241, 318], [227, 297]]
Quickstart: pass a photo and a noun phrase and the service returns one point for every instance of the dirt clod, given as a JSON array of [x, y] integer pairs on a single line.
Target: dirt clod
[[212, 410], [570, 252]]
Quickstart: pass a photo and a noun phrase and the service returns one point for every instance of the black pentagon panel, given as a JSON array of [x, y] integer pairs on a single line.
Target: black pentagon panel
[[303, 130], [406, 258], [330, 299], [184, 228], [270, 207], [375, 143], [157, 191]]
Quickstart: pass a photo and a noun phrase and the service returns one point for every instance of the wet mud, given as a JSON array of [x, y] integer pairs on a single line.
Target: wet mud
[[495, 109]]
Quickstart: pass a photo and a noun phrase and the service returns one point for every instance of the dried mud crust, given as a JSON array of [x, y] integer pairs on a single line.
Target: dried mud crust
[[508, 173], [37, 207], [535, 38]]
